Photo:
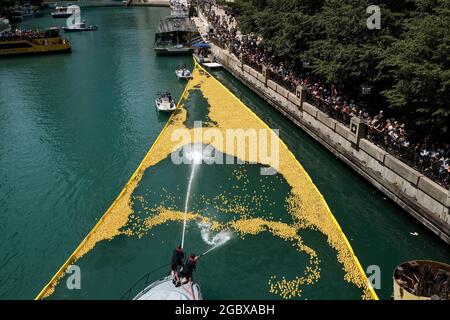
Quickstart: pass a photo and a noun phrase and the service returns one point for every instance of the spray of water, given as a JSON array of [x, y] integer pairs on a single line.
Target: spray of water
[[217, 240], [195, 156], [186, 204]]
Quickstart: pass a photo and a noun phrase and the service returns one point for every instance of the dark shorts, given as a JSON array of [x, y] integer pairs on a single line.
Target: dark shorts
[[175, 266], [186, 274]]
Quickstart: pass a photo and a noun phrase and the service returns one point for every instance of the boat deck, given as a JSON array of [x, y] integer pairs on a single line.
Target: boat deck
[[164, 289]]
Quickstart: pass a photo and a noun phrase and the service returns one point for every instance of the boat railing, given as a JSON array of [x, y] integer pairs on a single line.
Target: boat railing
[[143, 282]]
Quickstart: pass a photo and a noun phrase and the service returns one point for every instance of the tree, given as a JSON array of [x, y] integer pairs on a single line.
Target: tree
[[419, 63], [286, 26]]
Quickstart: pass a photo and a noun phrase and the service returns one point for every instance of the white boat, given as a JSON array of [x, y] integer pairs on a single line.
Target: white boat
[[64, 11], [183, 73], [164, 289], [165, 103], [212, 65], [175, 36], [4, 25], [80, 26]]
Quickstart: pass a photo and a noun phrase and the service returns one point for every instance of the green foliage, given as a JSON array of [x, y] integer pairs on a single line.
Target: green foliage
[[346, 51], [419, 63], [4, 4], [406, 62]]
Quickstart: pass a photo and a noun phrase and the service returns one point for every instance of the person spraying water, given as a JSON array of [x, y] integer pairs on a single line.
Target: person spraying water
[[189, 268], [195, 155], [190, 265], [177, 263], [171, 287]]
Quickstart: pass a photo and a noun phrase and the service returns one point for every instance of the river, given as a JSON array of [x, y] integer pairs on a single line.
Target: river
[[74, 127]]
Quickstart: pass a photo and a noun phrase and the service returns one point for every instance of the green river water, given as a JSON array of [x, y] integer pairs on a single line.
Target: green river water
[[73, 128]]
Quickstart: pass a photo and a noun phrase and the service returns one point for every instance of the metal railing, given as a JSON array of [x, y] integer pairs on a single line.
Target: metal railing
[[328, 109], [131, 293], [280, 80], [217, 42], [254, 65], [409, 154]]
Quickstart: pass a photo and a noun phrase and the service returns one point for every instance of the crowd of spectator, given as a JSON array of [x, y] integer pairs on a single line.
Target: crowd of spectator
[[431, 159], [22, 35], [391, 134]]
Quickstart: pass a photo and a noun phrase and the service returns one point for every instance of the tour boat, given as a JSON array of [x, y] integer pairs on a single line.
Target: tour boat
[[165, 103], [64, 11], [164, 289], [81, 26], [183, 73], [176, 35], [49, 42]]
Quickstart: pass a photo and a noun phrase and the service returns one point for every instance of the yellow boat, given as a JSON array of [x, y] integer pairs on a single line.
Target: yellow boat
[[49, 42]]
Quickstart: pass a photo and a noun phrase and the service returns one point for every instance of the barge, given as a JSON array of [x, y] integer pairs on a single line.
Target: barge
[[26, 43]]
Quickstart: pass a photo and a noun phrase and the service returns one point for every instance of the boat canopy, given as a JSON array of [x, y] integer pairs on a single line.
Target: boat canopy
[[176, 24], [202, 45]]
